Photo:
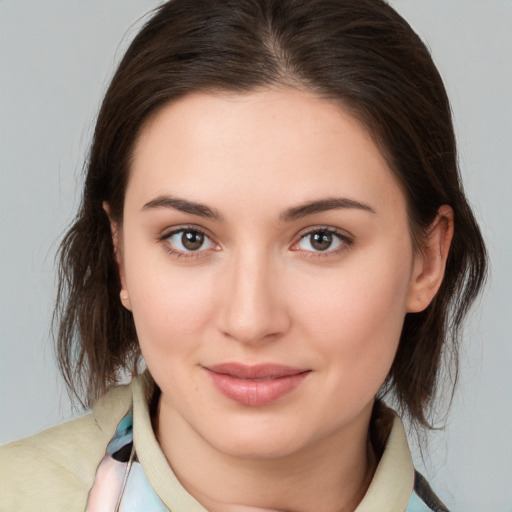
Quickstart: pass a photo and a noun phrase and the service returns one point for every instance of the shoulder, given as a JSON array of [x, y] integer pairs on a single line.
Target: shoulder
[[55, 469], [396, 485], [423, 498]]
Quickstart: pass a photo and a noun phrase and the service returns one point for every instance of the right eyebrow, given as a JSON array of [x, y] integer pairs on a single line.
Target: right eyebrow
[[184, 205], [323, 205]]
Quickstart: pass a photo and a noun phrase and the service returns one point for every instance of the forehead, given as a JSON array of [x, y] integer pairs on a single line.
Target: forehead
[[271, 145]]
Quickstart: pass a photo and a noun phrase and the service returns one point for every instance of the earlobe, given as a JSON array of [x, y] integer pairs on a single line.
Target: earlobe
[[430, 262], [125, 299], [118, 254]]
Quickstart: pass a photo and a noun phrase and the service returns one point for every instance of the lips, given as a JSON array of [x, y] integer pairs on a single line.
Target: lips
[[256, 385]]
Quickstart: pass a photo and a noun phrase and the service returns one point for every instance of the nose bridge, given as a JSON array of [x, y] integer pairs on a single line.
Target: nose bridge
[[253, 309]]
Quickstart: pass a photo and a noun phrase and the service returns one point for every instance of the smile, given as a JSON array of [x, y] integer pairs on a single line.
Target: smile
[[255, 385]]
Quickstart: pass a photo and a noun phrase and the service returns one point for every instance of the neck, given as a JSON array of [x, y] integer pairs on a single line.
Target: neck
[[332, 474]]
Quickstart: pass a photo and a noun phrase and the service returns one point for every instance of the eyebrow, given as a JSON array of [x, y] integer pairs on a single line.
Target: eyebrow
[[323, 205], [183, 205]]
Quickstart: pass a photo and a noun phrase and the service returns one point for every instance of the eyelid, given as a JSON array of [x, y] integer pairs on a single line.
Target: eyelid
[[167, 232]]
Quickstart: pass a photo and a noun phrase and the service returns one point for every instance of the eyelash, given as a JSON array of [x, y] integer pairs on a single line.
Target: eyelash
[[345, 242]]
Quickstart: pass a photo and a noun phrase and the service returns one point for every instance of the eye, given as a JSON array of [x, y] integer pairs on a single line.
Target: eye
[[322, 240], [186, 241]]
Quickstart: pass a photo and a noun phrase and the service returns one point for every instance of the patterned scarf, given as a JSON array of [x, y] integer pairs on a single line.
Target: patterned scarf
[[120, 484]]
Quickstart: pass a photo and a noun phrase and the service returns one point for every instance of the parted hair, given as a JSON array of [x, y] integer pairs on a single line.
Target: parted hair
[[359, 53]]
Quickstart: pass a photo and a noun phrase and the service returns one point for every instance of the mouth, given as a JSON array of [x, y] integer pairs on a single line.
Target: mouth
[[255, 385]]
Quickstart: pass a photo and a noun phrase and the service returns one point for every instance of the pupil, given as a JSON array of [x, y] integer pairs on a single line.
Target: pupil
[[321, 241], [192, 240]]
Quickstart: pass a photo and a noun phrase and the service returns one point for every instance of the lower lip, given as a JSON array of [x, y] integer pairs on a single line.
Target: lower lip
[[255, 392]]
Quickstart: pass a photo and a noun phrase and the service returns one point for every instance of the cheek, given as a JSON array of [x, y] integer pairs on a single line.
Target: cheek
[[170, 305], [356, 314]]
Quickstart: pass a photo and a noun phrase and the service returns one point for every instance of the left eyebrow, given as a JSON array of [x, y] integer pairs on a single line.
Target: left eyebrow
[[323, 205], [183, 205]]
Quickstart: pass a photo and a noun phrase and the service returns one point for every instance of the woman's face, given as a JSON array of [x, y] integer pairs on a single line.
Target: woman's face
[[266, 254]]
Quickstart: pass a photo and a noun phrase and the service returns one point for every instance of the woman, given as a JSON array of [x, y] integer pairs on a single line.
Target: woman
[[272, 217]]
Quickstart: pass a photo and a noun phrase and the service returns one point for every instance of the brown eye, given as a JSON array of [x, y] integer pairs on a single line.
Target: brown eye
[[187, 240], [192, 240], [321, 240]]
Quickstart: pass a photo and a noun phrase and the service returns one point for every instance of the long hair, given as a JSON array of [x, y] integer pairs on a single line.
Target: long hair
[[359, 53]]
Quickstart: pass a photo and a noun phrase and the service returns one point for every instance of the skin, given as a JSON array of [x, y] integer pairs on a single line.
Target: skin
[[257, 291]]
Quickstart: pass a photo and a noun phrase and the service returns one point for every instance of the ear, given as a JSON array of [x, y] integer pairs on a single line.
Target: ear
[[118, 253], [430, 261]]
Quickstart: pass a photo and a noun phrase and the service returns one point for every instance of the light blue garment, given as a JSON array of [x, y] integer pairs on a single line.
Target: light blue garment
[[139, 496]]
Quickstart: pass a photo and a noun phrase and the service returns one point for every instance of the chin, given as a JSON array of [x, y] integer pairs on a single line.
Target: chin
[[263, 442], [258, 449]]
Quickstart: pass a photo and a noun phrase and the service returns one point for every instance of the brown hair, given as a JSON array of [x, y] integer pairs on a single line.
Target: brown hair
[[360, 53]]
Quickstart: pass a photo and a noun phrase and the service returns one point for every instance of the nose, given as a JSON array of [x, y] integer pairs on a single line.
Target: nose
[[253, 307]]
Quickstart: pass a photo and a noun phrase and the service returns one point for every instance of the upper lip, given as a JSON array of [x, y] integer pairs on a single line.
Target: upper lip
[[258, 371]]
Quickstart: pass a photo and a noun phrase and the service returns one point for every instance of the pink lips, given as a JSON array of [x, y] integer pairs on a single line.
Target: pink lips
[[255, 385]]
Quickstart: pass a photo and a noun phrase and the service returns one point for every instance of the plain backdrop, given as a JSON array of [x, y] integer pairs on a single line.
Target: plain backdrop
[[56, 58]]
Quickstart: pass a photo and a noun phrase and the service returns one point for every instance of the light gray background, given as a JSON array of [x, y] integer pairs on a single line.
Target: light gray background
[[55, 61]]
